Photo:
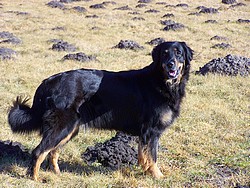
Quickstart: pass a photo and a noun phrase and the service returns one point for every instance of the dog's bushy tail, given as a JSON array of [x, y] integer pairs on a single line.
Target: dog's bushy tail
[[22, 118]]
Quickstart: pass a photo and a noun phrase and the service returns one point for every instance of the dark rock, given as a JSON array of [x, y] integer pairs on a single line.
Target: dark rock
[[222, 45], [79, 57], [128, 44], [231, 65], [56, 4], [7, 53], [113, 153], [63, 46], [229, 1], [156, 41]]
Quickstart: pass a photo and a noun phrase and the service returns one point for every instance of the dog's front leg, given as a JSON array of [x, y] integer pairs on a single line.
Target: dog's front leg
[[147, 154]]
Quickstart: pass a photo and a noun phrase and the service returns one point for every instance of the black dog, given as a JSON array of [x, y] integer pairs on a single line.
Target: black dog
[[139, 102]]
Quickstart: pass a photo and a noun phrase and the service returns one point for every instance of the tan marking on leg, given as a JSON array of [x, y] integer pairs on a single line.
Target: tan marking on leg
[[38, 163], [54, 155], [67, 138], [155, 171], [146, 161]]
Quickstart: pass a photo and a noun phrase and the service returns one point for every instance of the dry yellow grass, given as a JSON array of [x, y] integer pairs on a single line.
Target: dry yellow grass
[[208, 146]]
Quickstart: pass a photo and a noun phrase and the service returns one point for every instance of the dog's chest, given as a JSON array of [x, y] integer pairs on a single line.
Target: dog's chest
[[166, 117]]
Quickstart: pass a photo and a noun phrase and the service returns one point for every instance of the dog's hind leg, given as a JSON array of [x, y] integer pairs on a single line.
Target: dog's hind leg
[[53, 159], [59, 128], [147, 154]]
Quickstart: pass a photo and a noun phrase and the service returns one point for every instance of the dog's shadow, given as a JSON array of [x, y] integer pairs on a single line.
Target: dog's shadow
[[14, 154]]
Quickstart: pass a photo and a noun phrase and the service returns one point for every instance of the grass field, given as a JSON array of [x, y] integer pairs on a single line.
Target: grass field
[[208, 146]]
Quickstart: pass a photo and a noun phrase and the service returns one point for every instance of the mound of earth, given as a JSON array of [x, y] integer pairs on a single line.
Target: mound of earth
[[9, 38], [216, 37], [14, 150], [128, 44], [123, 8], [79, 57], [237, 5], [168, 15], [222, 45], [56, 4], [7, 53], [174, 27], [171, 25], [210, 10], [167, 22], [231, 65], [6, 35], [211, 21], [63, 46], [243, 21], [140, 5], [229, 1], [184, 5], [97, 6], [138, 18], [144, 1], [114, 153], [79, 9], [156, 41], [152, 11]]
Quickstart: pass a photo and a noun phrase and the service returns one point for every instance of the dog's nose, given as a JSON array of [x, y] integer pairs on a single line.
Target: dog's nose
[[170, 64]]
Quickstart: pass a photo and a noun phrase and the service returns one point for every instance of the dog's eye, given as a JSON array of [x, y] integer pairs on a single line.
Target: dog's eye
[[178, 52]]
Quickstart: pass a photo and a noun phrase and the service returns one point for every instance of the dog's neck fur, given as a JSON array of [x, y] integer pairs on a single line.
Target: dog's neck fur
[[172, 90]]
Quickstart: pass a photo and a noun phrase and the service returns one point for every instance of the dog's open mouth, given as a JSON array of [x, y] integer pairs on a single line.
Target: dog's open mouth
[[173, 73]]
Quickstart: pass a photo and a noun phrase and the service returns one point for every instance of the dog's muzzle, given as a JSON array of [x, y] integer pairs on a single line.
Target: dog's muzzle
[[172, 70]]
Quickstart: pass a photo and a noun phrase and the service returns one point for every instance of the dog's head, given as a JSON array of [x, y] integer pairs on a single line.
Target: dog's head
[[173, 58]]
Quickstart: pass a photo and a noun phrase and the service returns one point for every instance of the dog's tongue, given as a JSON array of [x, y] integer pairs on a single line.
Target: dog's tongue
[[172, 73]]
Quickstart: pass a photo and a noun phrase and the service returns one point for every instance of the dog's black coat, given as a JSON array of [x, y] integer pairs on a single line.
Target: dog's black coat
[[130, 101]]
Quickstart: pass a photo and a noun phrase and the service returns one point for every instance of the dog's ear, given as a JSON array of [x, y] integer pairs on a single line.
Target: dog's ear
[[188, 52], [156, 53]]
